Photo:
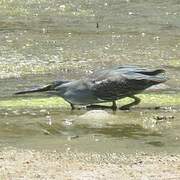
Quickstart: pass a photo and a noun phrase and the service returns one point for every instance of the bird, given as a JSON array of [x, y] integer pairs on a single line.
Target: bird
[[106, 85]]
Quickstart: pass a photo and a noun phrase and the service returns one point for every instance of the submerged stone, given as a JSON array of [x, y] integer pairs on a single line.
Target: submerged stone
[[96, 114], [95, 118]]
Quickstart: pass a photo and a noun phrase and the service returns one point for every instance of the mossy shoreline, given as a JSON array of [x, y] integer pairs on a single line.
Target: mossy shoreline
[[54, 102]]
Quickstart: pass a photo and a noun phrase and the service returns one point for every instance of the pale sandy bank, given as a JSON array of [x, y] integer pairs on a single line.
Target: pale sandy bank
[[31, 164]]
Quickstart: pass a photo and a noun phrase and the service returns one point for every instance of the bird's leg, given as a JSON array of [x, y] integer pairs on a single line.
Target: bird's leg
[[135, 102], [72, 106], [114, 106]]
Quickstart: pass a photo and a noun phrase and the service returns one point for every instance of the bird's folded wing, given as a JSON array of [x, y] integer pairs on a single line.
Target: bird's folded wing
[[122, 85], [112, 87]]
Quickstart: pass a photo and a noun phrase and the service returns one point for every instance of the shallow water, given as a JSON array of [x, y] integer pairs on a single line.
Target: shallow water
[[95, 130], [46, 40]]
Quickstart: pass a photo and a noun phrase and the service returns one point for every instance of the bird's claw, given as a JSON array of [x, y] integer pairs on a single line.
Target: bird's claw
[[124, 108]]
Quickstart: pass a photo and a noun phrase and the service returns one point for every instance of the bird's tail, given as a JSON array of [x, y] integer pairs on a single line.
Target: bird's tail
[[149, 78], [136, 69], [156, 76], [158, 79], [155, 80], [150, 72]]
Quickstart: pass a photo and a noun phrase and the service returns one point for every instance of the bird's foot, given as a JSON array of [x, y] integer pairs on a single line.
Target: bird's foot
[[114, 106], [95, 107], [124, 108], [98, 107]]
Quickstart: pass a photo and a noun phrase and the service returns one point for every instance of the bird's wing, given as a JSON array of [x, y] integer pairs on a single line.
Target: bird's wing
[[120, 85], [110, 88]]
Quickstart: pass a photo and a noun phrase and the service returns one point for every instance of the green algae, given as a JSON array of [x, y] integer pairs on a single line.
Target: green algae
[[54, 102], [161, 99], [34, 102], [155, 100], [174, 62]]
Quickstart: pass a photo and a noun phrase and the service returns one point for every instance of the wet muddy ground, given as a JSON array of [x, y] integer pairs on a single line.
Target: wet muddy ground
[[49, 40]]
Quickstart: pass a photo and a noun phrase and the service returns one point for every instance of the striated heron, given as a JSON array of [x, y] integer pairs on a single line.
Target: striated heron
[[106, 85]]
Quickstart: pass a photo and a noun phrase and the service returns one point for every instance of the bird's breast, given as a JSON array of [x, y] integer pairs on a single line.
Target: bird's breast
[[81, 97]]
